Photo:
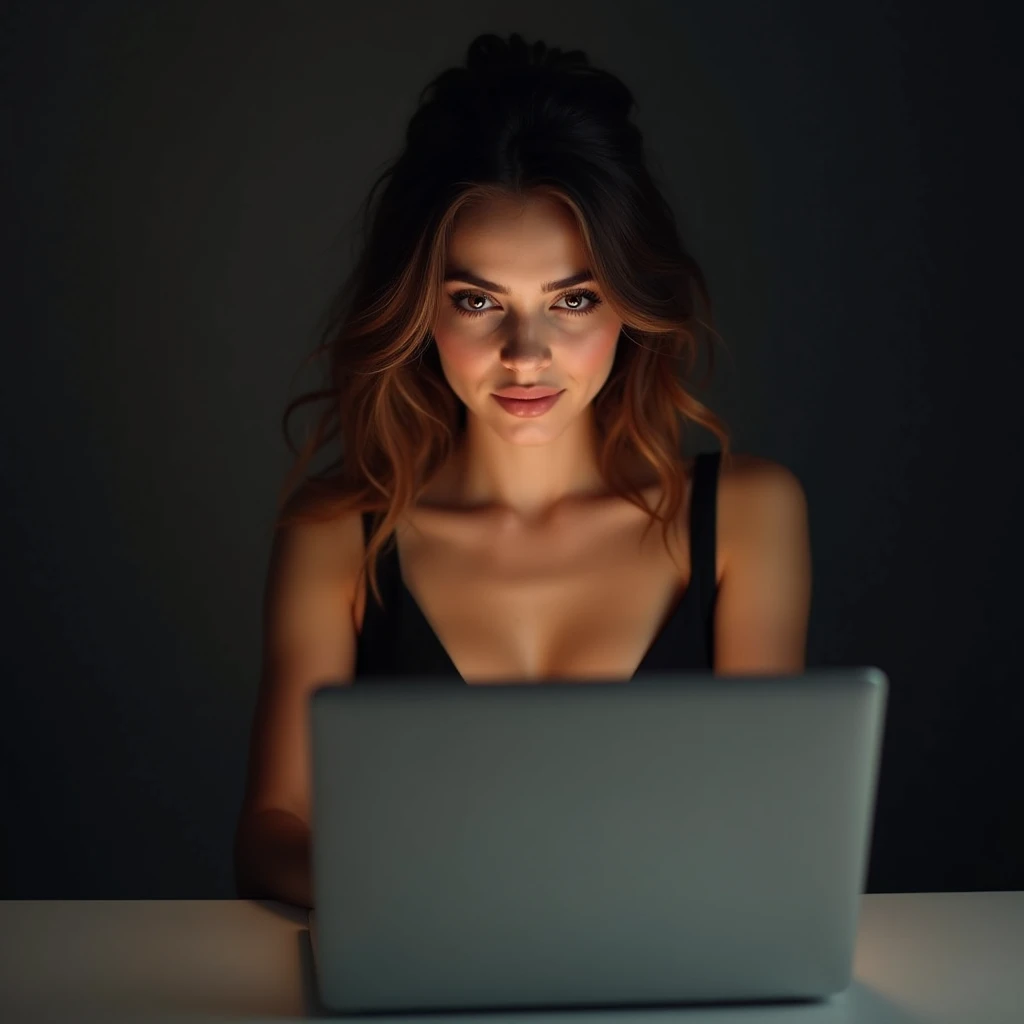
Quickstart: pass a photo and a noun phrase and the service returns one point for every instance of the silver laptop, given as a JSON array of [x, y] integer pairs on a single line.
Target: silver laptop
[[680, 838]]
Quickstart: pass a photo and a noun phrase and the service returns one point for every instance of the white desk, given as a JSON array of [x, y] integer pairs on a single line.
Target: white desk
[[920, 959]]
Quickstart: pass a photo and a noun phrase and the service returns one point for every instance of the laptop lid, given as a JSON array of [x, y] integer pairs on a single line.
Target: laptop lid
[[683, 838]]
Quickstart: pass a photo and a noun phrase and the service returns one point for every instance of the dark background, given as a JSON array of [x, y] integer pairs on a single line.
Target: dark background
[[181, 182]]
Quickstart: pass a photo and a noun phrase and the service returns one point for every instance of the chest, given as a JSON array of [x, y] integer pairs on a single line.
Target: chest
[[582, 600]]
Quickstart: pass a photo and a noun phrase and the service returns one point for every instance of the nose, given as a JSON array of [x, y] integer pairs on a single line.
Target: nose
[[526, 354]]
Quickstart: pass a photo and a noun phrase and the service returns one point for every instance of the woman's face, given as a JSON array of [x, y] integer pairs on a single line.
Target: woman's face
[[498, 327]]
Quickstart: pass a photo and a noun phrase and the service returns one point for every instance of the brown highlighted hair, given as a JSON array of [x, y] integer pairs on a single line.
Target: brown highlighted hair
[[516, 120]]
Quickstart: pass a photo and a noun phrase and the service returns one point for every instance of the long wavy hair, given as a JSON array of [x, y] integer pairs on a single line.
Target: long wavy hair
[[516, 120]]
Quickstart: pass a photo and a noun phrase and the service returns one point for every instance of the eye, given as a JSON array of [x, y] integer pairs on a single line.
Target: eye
[[584, 294]]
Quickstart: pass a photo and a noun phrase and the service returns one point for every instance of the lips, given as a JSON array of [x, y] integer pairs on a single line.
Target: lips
[[527, 393], [528, 407]]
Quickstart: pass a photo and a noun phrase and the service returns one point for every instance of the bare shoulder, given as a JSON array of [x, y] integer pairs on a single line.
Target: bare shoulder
[[763, 603], [745, 471], [332, 545], [753, 489], [317, 556]]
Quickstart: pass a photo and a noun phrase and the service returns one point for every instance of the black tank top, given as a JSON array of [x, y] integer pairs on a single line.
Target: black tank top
[[397, 640]]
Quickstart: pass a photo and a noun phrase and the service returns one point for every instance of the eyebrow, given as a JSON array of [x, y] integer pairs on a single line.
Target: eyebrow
[[461, 274]]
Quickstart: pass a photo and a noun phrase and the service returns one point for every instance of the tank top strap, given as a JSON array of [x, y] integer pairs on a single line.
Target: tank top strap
[[703, 514]]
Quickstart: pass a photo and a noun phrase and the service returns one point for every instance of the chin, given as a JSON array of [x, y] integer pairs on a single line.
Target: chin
[[529, 434]]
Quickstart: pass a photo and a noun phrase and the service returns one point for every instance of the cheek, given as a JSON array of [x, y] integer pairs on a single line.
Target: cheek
[[461, 359], [595, 352]]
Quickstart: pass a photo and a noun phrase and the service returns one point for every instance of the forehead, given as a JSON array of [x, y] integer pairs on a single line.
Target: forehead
[[530, 239]]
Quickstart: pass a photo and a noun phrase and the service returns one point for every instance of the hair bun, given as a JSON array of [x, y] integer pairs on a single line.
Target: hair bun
[[490, 52]]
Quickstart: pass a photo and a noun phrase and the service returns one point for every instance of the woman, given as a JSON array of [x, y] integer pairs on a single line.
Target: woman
[[505, 384]]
